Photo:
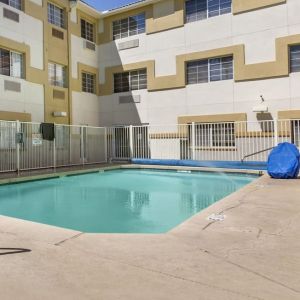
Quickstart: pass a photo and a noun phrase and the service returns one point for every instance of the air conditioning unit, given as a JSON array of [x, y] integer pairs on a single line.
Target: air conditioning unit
[[89, 45]]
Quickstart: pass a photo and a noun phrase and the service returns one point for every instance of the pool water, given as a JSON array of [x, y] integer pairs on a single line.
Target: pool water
[[118, 201]]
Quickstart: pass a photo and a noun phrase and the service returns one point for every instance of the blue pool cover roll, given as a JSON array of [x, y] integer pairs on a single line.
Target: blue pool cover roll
[[283, 162], [207, 164]]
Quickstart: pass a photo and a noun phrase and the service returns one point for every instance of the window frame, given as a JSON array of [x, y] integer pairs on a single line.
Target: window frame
[[131, 29], [294, 49], [134, 84], [10, 64], [56, 82], [211, 137], [209, 63], [17, 4], [86, 88], [62, 17], [206, 13], [85, 33]]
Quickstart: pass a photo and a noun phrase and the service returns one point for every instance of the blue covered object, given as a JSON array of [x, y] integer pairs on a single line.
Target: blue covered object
[[250, 165], [283, 161]]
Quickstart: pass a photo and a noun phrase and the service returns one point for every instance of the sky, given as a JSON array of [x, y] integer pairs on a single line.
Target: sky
[[108, 4]]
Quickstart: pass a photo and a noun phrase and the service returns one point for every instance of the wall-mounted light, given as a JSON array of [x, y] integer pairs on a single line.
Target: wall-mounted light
[[73, 3], [262, 107]]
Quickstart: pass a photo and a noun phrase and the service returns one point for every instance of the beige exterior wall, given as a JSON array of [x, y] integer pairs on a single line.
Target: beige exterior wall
[[163, 18]]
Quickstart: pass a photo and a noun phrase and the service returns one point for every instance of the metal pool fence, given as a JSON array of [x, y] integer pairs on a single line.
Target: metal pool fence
[[22, 146]]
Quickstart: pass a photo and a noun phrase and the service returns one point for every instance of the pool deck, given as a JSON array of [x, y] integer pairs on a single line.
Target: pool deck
[[252, 254]]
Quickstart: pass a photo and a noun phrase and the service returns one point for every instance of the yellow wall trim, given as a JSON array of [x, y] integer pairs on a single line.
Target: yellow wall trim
[[241, 6], [175, 19], [77, 82], [242, 72], [289, 114], [15, 116], [31, 74], [235, 117]]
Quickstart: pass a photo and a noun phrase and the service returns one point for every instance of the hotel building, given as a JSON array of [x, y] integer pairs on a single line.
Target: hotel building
[[150, 62]]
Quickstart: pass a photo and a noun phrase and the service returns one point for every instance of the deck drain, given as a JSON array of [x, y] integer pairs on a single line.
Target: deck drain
[[216, 217]]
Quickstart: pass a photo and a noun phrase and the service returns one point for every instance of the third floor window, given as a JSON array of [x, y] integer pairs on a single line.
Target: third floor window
[[129, 26], [87, 30], [202, 9], [56, 15], [14, 3]]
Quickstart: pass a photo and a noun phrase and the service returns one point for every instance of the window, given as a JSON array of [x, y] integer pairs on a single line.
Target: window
[[57, 75], [214, 135], [202, 9], [296, 132], [295, 58], [207, 70], [11, 63], [129, 81], [87, 30], [55, 15], [89, 83], [129, 26], [14, 3]]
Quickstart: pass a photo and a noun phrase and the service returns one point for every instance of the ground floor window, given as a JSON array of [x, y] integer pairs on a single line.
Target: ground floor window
[[214, 135], [296, 132]]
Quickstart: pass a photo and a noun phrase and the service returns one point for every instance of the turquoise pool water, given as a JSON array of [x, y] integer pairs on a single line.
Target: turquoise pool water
[[119, 201]]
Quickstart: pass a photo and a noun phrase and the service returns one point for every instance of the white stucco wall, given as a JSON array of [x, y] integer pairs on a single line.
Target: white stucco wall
[[29, 100], [30, 32], [257, 30]]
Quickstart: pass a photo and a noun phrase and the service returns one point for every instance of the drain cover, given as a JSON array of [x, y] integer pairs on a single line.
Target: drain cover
[[216, 217]]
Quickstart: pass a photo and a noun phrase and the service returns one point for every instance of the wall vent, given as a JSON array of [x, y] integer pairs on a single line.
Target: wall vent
[[129, 99], [129, 44], [11, 15], [57, 33], [58, 94], [12, 86], [89, 45]]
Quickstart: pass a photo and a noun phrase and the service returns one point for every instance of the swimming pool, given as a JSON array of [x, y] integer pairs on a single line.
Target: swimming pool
[[118, 201]]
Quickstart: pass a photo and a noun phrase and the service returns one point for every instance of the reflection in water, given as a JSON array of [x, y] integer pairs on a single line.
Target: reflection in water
[[118, 201], [195, 202], [138, 200]]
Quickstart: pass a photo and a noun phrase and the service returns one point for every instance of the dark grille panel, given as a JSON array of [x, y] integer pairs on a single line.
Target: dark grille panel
[[12, 86], [57, 33], [58, 94], [11, 15]]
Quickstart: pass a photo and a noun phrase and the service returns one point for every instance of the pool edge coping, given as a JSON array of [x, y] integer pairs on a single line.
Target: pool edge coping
[[58, 174], [183, 226]]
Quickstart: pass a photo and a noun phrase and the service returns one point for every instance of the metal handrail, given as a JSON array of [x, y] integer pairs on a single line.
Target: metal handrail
[[258, 152]]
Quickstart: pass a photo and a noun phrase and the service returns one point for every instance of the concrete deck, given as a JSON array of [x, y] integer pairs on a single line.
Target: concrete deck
[[253, 254]]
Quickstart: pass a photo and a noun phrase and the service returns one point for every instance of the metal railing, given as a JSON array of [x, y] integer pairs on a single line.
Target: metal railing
[[22, 146]]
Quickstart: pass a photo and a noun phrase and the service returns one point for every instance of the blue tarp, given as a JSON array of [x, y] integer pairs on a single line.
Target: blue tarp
[[207, 164], [283, 162]]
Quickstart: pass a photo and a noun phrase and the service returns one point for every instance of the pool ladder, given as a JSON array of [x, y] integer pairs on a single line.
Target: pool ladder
[[255, 153]]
